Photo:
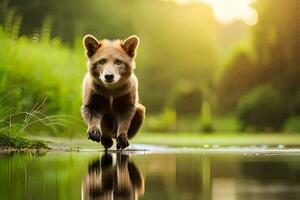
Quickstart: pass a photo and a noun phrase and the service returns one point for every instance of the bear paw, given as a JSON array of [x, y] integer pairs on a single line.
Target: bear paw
[[122, 142], [94, 135]]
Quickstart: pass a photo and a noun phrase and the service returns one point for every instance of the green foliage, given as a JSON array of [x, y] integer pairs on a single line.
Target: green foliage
[[206, 118], [164, 122], [263, 109], [273, 59], [188, 102], [31, 72], [226, 123], [292, 125], [46, 29], [277, 42], [20, 143], [239, 76], [296, 108], [22, 123], [193, 124]]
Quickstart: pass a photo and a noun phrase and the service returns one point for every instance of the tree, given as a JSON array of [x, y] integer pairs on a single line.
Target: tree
[[188, 102], [277, 43], [262, 108], [239, 76]]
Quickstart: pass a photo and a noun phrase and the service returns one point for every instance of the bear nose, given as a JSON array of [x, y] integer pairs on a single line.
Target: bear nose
[[109, 77]]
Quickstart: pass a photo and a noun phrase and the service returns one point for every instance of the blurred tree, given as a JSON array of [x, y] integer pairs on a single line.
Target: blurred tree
[[206, 118], [262, 108], [296, 108], [277, 43], [178, 45], [164, 122], [276, 57], [73, 18], [239, 76], [188, 102]]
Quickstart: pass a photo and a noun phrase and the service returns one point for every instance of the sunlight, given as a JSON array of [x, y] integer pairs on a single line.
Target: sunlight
[[228, 11]]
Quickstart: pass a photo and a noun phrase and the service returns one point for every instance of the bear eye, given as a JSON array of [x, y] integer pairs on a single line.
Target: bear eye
[[102, 61], [118, 62]]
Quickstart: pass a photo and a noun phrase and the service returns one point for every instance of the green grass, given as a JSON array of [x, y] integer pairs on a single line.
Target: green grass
[[169, 139], [220, 139], [49, 71], [17, 142], [293, 124]]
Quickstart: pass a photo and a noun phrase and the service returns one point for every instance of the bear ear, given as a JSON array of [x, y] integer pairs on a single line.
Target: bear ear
[[131, 44], [91, 45]]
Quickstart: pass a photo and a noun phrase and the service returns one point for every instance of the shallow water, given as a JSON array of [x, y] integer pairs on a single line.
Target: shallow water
[[194, 174]]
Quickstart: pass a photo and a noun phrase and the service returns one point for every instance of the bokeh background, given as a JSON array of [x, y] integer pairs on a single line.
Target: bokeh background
[[204, 66]]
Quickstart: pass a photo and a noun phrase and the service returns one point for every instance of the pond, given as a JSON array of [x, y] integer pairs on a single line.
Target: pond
[[186, 174]]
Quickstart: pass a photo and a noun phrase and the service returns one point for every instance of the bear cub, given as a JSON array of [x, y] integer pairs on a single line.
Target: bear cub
[[111, 107]]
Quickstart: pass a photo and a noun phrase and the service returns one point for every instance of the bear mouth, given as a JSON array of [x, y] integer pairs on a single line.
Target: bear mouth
[[109, 81]]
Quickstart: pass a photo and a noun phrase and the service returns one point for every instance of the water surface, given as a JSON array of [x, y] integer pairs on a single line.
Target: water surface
[[156, 175]]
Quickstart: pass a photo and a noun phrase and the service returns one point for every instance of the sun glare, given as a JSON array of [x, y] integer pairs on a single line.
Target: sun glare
[[228, 11]]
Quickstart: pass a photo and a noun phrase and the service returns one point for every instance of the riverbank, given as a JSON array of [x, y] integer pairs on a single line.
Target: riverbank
[[20, 143], [191, 140]]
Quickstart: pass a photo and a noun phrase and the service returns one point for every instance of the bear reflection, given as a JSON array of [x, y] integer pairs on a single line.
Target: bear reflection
[[113, 178]]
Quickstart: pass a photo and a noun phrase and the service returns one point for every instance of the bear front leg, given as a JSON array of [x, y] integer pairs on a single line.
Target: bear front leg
[[94, 130], [124, 119], [93, 120]]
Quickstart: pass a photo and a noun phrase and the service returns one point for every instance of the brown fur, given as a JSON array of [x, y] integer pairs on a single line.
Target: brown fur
[[111, 110]]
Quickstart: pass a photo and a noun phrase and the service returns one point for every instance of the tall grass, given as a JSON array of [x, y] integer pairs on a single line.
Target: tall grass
[[36, 68], [46, 69], [20, 123]]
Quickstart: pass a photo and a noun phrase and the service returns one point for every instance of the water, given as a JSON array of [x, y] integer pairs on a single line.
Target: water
[[151, 175]]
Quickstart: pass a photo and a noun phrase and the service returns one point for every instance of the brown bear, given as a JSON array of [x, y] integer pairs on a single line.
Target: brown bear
[[111, 107]]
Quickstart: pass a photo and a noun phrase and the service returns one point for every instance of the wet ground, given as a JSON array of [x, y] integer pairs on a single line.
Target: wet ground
[[154, 172]]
